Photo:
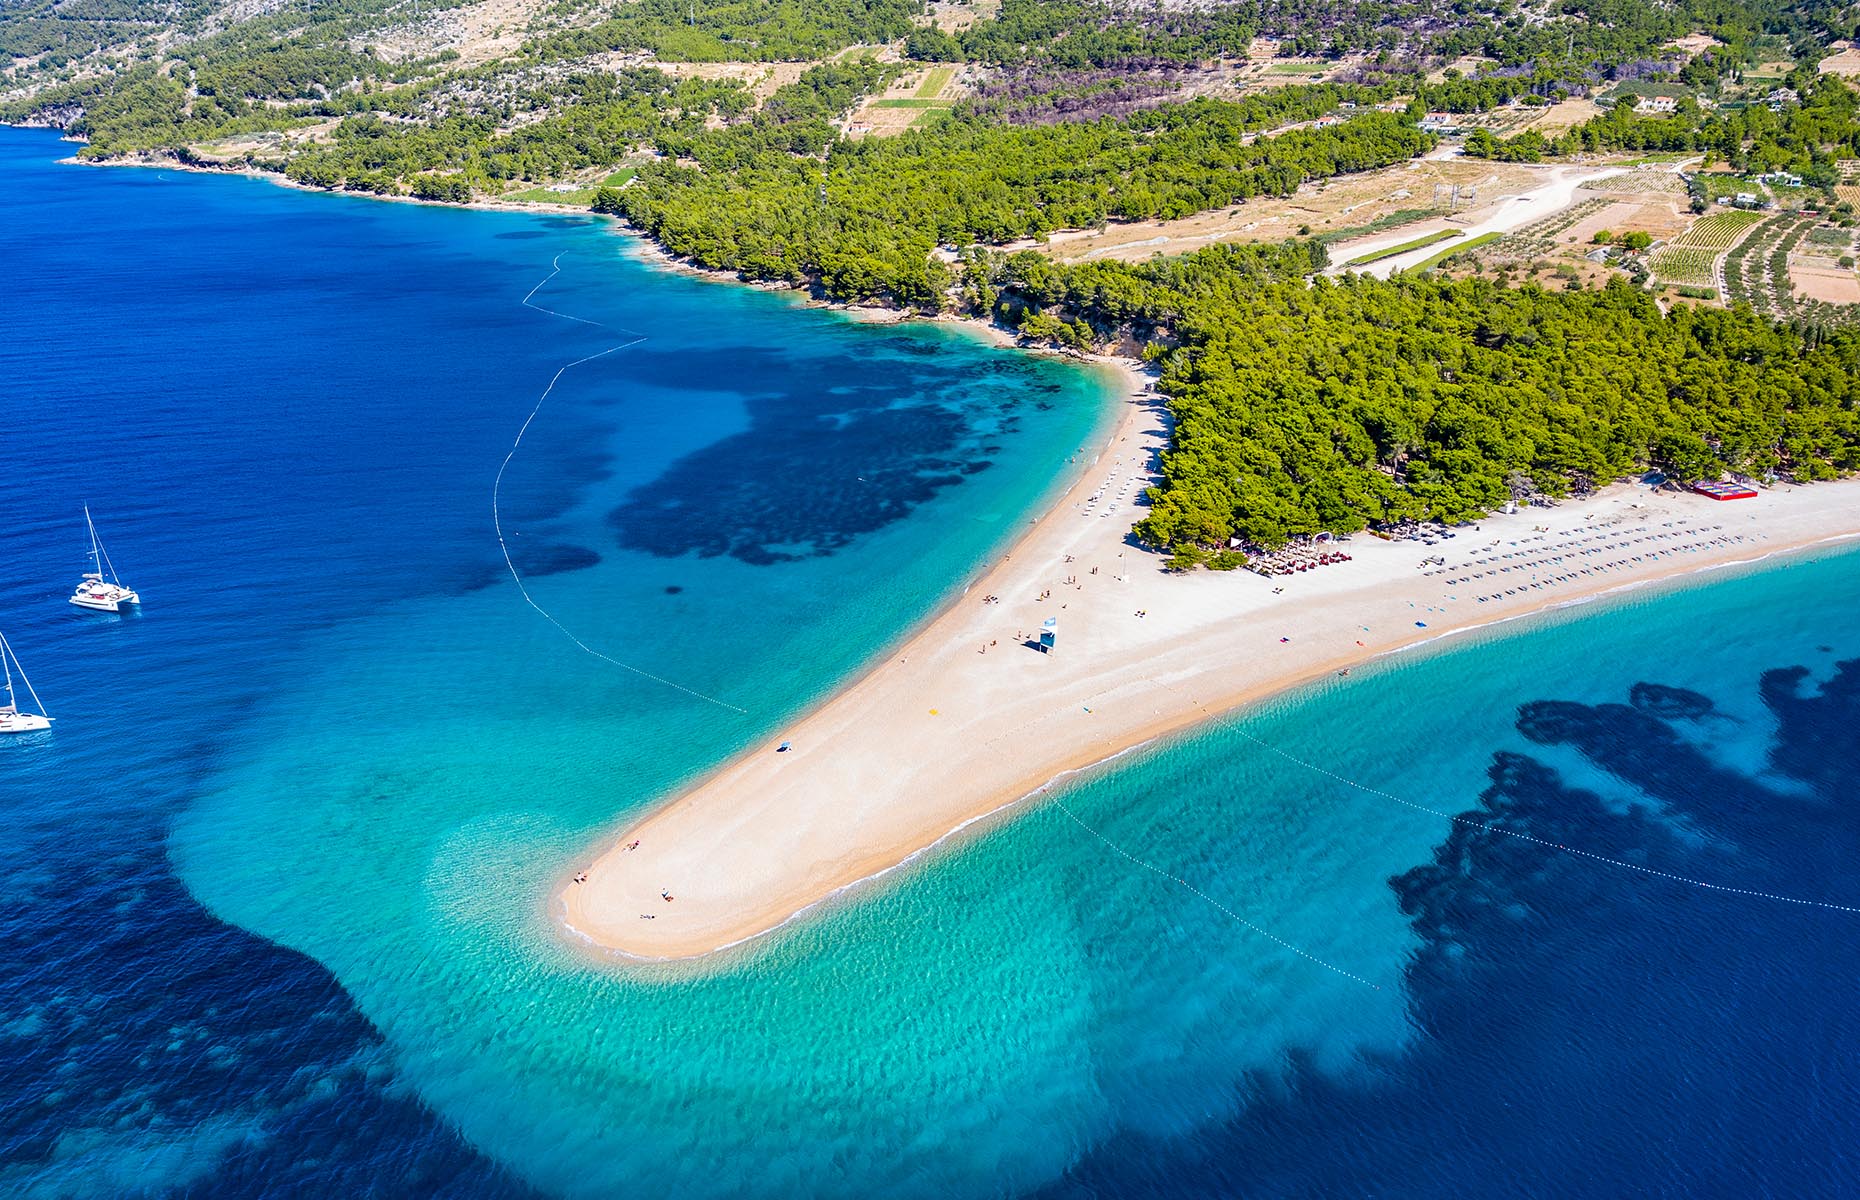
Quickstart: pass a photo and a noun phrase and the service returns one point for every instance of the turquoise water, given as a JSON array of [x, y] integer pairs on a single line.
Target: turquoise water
[[368, 764], [972, 1026]]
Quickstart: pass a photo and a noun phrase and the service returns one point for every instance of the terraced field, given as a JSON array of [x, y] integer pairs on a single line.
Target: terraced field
[[1849, 187], [1691, 258], [1685, 265]]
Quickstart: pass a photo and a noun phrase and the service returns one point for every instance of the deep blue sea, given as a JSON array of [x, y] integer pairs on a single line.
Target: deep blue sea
[[272, 890]]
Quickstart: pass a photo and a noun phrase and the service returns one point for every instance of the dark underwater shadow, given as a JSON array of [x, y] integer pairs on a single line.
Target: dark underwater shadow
[[853, 443], [136, 1024], [1585, 1029]]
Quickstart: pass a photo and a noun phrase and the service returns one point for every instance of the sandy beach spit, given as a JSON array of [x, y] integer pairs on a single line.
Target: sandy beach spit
[[966, 718]]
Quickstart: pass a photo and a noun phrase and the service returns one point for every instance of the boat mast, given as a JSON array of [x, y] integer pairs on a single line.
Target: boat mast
[[11, 705], [96, 558], [6, 652], [99, 557]]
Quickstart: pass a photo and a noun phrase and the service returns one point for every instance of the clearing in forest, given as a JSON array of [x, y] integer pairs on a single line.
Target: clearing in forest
[[481, 32], [1560, 117], [954, 16], [914, 97], [1347, 207], [1845, 64], [762, 79], [936, 79]]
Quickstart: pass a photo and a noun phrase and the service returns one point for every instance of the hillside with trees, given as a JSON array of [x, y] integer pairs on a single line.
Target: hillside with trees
[[1302, 404], [861, 222]]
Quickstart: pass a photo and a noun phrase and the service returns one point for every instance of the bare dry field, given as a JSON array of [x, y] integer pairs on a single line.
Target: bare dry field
[[1467, 65], [954, 16], [268, 143], [1509, 120], [1829, 284], [1558, 117], [1693, 43], [1845, 64], [1343, 203], [1658, 216]]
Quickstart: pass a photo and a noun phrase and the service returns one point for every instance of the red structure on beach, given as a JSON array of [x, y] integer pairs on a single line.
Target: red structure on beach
[[1725, 491]]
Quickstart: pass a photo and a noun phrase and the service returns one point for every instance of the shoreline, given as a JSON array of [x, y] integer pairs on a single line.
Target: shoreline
[[649, 251], [598, 920], [156, 162], [1192, 726], [941, 734]]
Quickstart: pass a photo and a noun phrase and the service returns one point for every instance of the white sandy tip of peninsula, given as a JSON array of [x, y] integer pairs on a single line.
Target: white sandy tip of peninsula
[[965, 718]]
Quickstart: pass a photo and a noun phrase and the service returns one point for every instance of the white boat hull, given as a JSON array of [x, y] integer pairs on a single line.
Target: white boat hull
[[104, 602], [23, 723]]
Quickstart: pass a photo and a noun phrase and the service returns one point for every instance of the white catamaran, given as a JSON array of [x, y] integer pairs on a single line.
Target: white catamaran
[[97, 592], [11, 719]]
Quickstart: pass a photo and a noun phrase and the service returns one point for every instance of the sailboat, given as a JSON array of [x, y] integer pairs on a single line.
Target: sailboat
[[97, 592], [11, 719]]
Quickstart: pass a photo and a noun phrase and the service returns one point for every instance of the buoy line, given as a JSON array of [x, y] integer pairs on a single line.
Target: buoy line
[[1494, 827], [497, 488], [1177, 879], [1048, 792]]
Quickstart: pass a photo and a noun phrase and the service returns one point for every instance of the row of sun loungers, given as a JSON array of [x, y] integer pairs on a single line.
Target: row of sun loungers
[[1561, 568], [1291, 562]]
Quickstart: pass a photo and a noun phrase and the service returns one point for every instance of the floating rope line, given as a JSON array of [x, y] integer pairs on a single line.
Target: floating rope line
[[497, 488], [1230, 913], [1494, 827]]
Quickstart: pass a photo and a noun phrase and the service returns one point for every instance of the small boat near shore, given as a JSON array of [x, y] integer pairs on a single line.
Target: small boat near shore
[[11, 719], [95, 591]]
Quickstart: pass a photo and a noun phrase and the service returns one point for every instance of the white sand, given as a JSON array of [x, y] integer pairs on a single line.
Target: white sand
[[942, 733]]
